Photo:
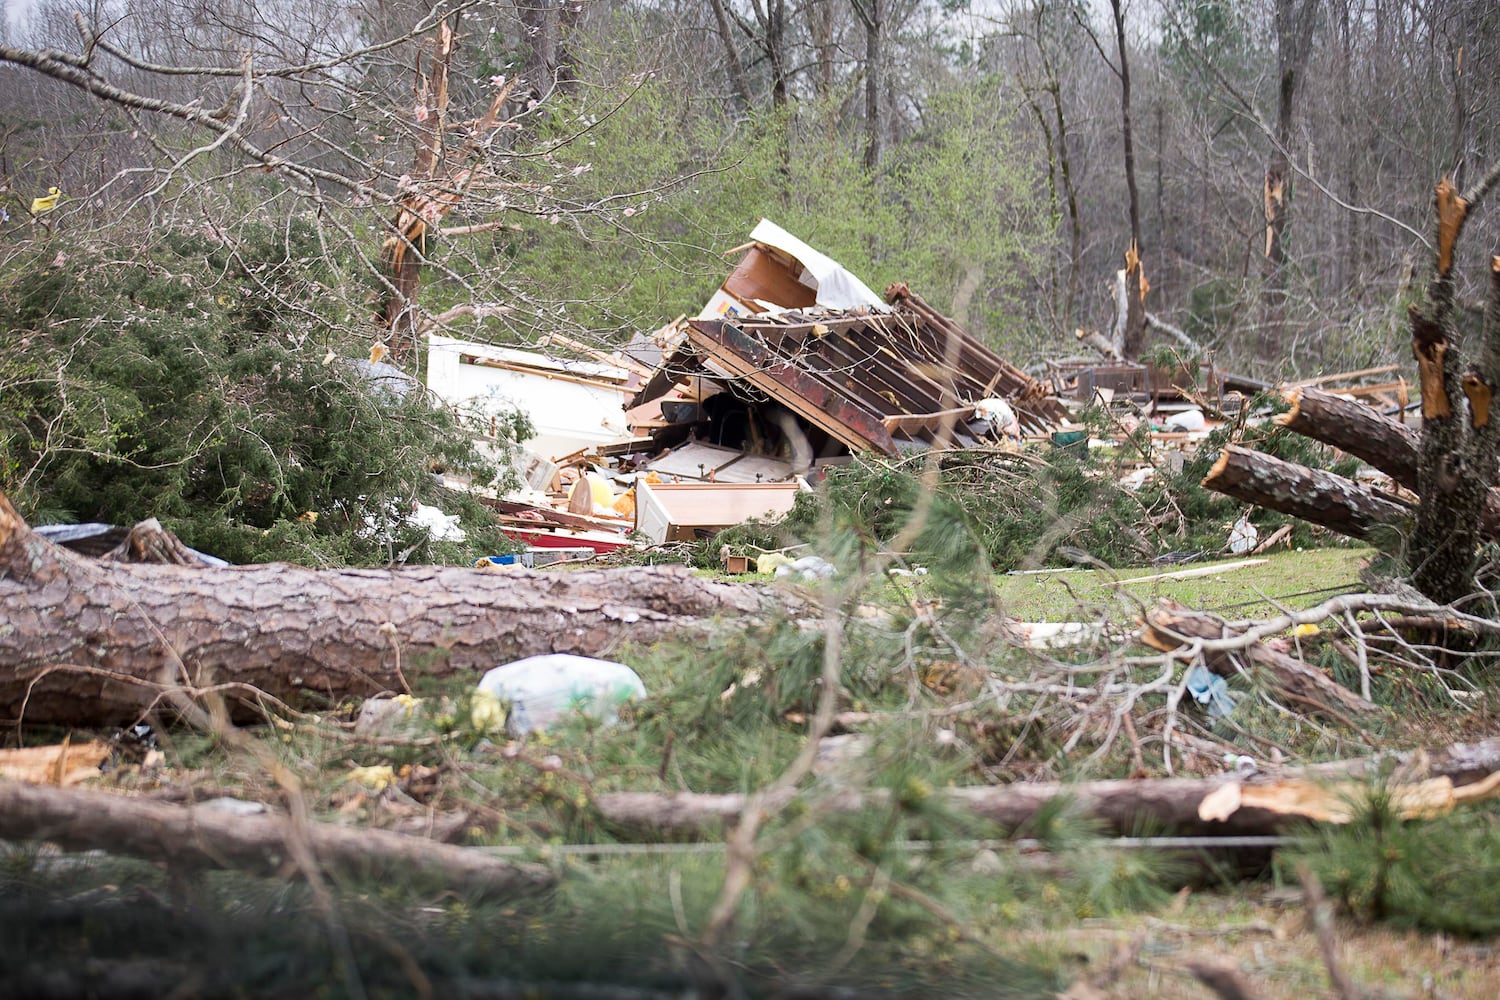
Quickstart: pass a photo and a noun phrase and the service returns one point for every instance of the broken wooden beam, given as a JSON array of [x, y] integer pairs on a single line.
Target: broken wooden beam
[[1314, 495]]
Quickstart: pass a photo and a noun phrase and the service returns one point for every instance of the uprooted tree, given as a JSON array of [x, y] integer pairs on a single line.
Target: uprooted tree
[[1451, 465]]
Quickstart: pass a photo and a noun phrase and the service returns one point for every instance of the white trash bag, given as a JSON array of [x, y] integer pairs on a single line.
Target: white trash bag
[[541, 690], [1243, 536]]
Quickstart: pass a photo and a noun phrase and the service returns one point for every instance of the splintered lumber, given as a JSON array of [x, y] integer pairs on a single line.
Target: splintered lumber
[[93, 643], [1314, 495], [198, 837], [1169, 624], [1123, 806], [62, 764]]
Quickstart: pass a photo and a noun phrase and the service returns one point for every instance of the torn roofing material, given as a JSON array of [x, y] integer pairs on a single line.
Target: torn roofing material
[[871, 381]]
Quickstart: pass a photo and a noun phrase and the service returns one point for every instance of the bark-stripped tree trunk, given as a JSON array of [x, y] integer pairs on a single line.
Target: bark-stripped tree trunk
[[91, 643]]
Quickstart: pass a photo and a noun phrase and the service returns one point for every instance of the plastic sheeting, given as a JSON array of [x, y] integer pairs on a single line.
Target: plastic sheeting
[[836, 287]]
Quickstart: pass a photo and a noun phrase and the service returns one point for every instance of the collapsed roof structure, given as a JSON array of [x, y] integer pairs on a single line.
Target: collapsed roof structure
[[792, 365], [795, 357]]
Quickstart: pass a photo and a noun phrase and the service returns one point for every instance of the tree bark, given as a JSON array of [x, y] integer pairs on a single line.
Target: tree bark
[[1373, 438], [1135, 322], [736, 68], [88, 643], [1121, 805], [1168, 621], [872, 14], [1310, 494], [1459, 442], [1360, 430], [1294, 22], [191, 838]]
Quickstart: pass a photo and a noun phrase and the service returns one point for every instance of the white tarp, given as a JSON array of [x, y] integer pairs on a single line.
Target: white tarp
[[833, 285], [836, 287]]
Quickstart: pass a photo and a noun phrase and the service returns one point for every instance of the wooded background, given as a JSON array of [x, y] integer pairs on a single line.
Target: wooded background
[[976, 150]]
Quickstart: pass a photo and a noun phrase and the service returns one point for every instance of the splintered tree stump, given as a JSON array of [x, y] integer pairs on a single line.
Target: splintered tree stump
[[1313, 495], [99, 643]]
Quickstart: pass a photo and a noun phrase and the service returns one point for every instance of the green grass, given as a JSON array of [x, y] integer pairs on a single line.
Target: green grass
[[1286, 580]]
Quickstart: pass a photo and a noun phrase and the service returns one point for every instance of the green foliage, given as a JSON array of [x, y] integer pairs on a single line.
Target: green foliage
[[182, 384], [698, 184], [1435, 874]]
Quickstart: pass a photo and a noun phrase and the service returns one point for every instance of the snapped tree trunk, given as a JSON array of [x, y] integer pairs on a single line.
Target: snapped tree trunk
[[438, 182], [1174, 804], [193, 837], [1135, 310], [1310, 494], [1459, 436], [1373, 438], [92, 643]]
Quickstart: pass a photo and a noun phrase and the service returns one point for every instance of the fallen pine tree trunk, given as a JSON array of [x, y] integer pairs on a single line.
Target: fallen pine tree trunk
[[1263, 804], [1169, 623], [1370, 436], [1313, 495], [188, 838], [1355, 428], [100, 643]]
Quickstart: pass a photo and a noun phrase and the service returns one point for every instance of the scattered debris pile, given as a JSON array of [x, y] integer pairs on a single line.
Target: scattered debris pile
[[793, 365]]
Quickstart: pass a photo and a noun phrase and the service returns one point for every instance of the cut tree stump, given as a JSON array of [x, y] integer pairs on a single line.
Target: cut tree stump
[[188, 838], [94, 643]]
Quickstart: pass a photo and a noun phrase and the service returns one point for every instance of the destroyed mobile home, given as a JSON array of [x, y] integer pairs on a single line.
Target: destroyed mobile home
[[793, 366]]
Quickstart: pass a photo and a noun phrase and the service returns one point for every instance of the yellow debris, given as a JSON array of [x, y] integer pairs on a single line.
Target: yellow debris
[[46, 202]]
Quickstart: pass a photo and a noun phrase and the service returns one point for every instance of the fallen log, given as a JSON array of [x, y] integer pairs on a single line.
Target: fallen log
[[90, 643], [1370, 436], [188, 838], [1169, 623], [1313, 495], [1359, 430], [1122, 806]]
